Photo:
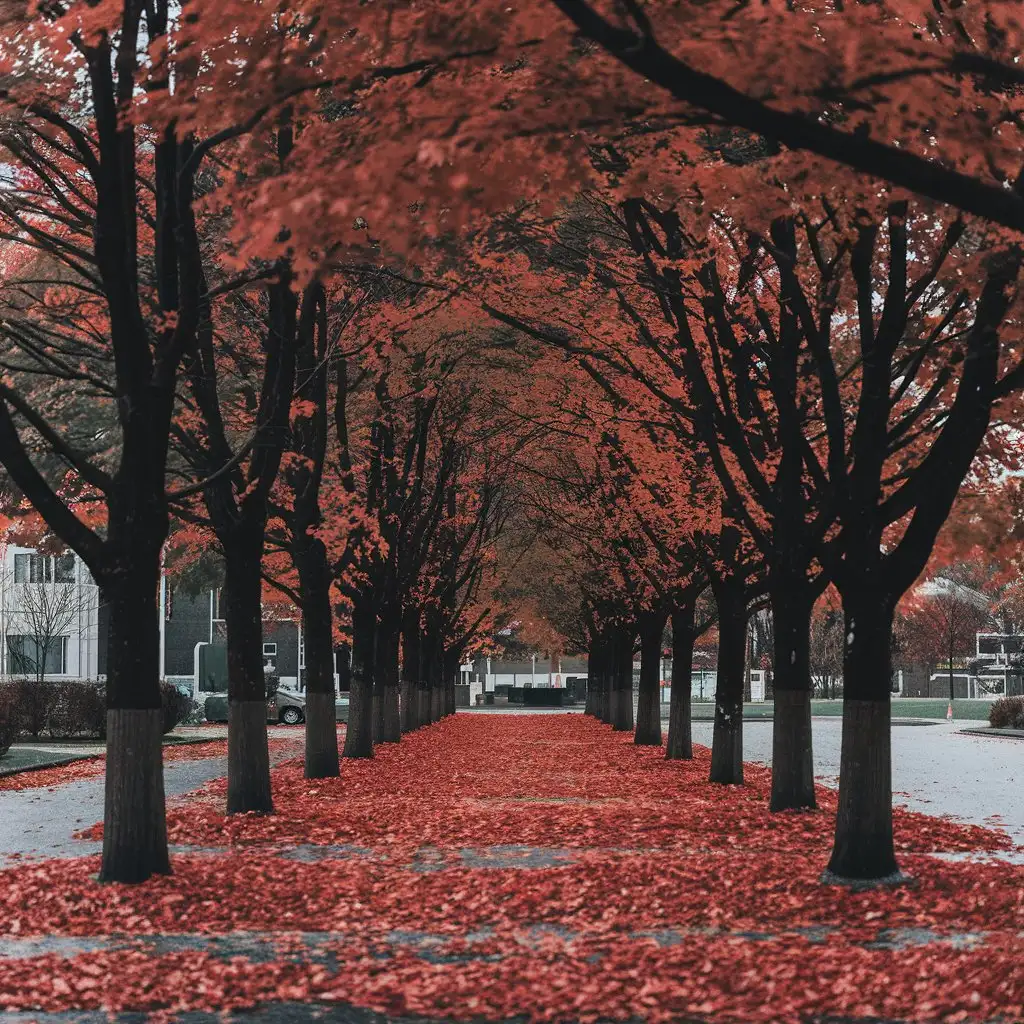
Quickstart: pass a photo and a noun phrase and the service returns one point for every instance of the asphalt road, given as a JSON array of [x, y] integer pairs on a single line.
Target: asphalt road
[[935, 768]]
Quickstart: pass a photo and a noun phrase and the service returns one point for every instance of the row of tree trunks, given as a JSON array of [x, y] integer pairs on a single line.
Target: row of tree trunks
[[401, 678]]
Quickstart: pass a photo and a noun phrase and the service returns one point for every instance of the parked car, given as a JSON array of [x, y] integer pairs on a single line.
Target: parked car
[[287, 707]]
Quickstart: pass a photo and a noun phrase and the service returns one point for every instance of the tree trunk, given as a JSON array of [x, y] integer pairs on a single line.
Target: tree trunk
[[727, 744], [423, 684], [434, 680], [622, 681], [359, 735], [648, 712], [134, 822], [450, 664], [863, 847], [410, 669], [680, 737], [792, 750], [317, 623], [605, 672], [248, 755], [590, 707], [387, 725]]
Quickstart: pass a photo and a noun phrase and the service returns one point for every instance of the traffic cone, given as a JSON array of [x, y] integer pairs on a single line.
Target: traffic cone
[[949, 712]]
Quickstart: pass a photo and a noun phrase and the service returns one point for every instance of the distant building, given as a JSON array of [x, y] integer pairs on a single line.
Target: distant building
[[190, 620], [49, 615]]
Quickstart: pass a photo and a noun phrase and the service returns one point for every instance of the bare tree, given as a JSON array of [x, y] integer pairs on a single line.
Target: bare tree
[[826, 647], [948, 614], [47, 611]]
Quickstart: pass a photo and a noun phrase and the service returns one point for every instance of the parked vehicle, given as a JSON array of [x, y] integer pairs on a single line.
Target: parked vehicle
[[286, 707]]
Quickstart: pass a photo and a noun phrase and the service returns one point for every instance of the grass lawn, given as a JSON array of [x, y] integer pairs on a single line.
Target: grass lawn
[[902, 707]]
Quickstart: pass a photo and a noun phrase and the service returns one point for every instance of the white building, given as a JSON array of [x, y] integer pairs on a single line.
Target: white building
[[49, 612]]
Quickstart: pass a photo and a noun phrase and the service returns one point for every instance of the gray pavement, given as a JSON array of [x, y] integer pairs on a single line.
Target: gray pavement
[[42, 822], [936, 768]]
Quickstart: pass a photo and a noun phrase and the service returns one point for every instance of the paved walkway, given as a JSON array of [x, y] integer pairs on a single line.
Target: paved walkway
[[498, 867], [936, 768], [41, 822]]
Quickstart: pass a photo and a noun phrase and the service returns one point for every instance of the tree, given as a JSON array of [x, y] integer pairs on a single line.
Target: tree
[[48, 610], [855, 95], [945, 615]]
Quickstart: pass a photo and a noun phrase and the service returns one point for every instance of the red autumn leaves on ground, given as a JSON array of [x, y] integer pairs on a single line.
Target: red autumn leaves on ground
[[651, 876]]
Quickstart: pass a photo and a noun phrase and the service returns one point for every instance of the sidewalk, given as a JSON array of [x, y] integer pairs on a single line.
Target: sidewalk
[[536, 867]]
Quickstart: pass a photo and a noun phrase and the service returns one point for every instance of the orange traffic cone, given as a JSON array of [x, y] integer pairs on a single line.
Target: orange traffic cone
[[949, 712]]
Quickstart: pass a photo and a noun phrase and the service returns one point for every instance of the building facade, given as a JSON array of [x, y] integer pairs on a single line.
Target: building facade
[[49, 616]]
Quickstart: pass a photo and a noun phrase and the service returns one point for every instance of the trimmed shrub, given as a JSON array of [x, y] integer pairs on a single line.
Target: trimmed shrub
[[273, 681], [79, 708], [1007, 713], [35, 703], [178, 706], [9, 725]]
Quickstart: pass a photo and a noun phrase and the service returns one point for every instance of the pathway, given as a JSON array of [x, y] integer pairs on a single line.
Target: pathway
[[498, 867]]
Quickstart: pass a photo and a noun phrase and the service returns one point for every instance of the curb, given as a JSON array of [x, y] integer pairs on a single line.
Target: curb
[[63, 762], [1014, 734]]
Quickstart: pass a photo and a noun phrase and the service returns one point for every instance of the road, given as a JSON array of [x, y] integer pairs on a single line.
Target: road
[[935, 768]]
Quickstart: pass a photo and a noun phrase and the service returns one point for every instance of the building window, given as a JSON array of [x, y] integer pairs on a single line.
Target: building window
[[64, 569], [24, 655], [33, 569], [270, 650], [44, 569], [302, 652]]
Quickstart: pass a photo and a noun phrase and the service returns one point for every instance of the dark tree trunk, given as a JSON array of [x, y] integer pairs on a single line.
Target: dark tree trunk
[[863, 847], [317, 623], [359, 735], [450, 664], [792, 750], [387, 726], [343, 659], [134, 823], [410, 669], [607, 693], [622, 686], [606, 671], [423, 684], [248, 755], [727, 744], [648, 712], [680, 737], [432, 670], [590, 707]]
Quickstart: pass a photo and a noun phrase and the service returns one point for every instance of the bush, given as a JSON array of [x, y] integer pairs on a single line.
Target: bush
[[9, 725], [177, 705], [1007, 713], [78, 708], [273, 681], [74, 707], [35, 702]]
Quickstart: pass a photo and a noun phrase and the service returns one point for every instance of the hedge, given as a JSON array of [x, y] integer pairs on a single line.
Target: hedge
[[1007, 713], [71, 708]]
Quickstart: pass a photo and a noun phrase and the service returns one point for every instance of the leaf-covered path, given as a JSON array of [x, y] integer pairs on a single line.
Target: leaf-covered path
[[521, 866]]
